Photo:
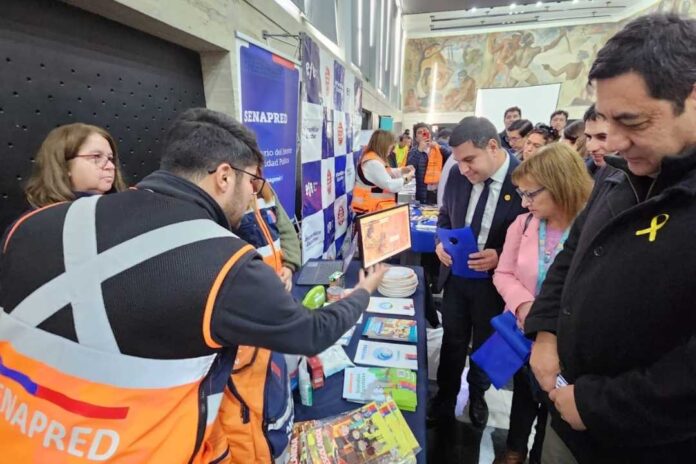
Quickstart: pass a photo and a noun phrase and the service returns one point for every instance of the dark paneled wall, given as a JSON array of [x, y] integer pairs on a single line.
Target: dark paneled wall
[[60, 64]]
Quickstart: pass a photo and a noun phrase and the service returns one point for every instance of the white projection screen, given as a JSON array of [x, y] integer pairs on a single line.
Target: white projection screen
[[537, 103]]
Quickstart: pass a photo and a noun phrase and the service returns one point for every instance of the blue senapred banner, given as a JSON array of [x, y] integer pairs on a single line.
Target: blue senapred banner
[[269, 106]]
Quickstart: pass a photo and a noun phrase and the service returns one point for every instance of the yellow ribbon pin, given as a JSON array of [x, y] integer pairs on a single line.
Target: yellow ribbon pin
[[655, 224], [507, 197]]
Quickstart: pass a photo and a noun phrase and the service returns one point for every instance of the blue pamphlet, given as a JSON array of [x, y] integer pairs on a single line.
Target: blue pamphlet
[[459, 244], [504, 352]]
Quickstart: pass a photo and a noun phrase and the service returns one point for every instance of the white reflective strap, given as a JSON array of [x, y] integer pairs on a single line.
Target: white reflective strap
[[113, 369], [213, 407], [52, 296], [79, 247], [263, 204], [288, 414], [266, 250]]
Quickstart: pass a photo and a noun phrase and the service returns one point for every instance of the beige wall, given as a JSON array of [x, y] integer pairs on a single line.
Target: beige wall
[[209, 27]]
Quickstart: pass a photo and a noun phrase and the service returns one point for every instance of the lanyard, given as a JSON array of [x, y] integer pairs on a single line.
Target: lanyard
[[545, 259]]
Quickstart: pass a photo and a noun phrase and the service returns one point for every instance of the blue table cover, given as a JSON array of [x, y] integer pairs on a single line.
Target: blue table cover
[[328, 401]]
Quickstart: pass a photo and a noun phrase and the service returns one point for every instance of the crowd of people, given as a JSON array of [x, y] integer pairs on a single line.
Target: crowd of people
[[584, 228]]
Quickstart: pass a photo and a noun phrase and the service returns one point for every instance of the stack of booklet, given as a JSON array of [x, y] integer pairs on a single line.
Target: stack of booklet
[[376, 434], [365, 384]]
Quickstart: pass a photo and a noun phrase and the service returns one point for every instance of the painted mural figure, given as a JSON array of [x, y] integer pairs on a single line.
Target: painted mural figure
[[575, 76], [521, 72], [432, 66], [461, 98], [503, 53]]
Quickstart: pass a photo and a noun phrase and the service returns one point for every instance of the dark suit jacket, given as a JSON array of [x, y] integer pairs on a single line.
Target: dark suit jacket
[[456, 202]]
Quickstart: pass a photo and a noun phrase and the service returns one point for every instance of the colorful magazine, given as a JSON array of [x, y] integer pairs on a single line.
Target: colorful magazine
[[373, 434], [386, 328], [365, 384]]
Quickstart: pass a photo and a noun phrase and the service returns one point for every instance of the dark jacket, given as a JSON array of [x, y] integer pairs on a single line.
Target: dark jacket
[[419, 160], [622, 305], [456, 201], [504, 143], [251, 308]]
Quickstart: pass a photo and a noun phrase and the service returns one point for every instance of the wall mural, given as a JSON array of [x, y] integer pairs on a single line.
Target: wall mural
[[442, 74]]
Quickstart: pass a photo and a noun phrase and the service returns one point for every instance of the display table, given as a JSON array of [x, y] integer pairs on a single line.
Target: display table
[[328, 401], [422, 241]]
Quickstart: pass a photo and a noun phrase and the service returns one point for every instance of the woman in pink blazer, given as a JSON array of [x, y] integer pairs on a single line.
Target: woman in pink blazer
[[554, 186]]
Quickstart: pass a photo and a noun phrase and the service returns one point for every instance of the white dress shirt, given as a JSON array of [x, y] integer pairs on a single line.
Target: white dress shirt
[[449, 164], [493, 196]]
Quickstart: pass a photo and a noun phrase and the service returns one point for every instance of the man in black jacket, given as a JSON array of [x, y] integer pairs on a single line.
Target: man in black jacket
[[131, 292], [480, 195], [615, 316]]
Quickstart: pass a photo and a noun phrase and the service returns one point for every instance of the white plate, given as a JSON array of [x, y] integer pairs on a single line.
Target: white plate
[[393, 294], [397, 272]]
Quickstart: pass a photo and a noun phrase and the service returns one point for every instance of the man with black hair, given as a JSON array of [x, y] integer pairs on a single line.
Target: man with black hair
[[126, 331], [558, 120], [596, 128], [615, 315], [427, 159], [479, 195], [511, 115]]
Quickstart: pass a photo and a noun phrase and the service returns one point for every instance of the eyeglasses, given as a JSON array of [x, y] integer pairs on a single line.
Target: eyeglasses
[[530, 195], [99, 159], [256, 181]]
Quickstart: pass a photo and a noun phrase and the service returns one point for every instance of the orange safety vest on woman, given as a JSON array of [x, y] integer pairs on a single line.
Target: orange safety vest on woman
[[367, 197], [259, 228], [434, 168]]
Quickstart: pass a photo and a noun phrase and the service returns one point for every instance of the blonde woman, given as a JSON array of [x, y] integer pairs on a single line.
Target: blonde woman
[[554, 186], [73, 161], [377, 184]]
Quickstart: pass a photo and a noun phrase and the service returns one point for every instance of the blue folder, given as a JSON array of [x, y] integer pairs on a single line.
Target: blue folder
[[459, 244], [504, 352]]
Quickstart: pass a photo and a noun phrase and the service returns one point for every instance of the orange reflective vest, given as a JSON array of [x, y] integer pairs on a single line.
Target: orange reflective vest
[[434, 169], [270, 250], [367, 197], [78, 402]]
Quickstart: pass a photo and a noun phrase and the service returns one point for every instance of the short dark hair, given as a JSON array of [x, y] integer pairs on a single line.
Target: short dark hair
[[549, 133], [444, 133], [574, 130], [419, 125], [591, 114], [524, 126], [404, 136], [513, 109], [478, 131], [199, 140], [557, 112], [658, 47]]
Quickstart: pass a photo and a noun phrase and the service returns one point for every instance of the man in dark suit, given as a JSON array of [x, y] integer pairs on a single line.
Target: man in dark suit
[[480, 195]]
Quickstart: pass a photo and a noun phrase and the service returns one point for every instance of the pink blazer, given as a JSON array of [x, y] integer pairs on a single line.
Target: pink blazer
[[515, 278]]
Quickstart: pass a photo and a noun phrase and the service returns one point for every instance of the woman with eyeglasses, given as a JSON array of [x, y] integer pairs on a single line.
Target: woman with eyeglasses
[[539, 136], [554, 186], [73, 161]]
